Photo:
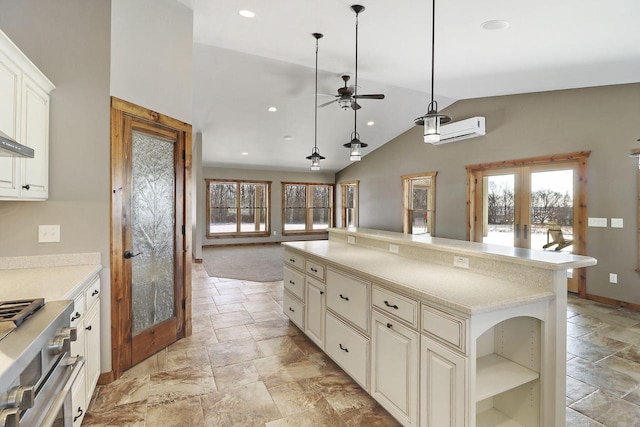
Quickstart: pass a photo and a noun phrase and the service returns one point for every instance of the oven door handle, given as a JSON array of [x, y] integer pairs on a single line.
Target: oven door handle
[[76, 364]]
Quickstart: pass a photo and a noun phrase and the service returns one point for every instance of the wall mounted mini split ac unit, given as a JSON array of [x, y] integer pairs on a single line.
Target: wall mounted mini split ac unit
[[457, 131]]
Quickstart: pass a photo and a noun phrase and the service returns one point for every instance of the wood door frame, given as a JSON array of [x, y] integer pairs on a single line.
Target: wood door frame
[[121, 339], [577, 159]]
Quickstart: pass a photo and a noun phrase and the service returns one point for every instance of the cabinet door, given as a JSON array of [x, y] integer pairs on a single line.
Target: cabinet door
[[394, 368], [92, 349], [315, 310], [35, 134], [10, 90], [442, 379], [78, 400]]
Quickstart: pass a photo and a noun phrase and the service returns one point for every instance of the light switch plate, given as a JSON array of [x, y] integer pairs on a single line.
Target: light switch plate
[[48, 233], [394, 249], [616, 223], [597, 222], [351, 240], [613, 278]]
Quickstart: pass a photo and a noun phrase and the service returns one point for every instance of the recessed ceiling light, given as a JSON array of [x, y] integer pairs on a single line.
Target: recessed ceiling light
[[371, 123], [247, 13], [495, 24], [288, 137], [273, 109], [244, 153]]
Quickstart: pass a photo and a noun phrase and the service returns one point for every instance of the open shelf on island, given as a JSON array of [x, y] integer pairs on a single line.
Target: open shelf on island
[[495, 375], [495, 418]]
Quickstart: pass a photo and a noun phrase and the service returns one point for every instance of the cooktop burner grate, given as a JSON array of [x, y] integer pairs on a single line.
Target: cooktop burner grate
[[17, 311]]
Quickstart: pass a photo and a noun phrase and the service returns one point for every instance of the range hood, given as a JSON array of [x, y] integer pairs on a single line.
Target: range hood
[[9, 147]]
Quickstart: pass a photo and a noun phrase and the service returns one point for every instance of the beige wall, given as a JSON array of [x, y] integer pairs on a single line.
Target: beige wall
[[603, 120], [276, 178]]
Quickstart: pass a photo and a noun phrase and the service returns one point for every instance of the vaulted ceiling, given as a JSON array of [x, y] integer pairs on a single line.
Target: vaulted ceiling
[[243, 66]]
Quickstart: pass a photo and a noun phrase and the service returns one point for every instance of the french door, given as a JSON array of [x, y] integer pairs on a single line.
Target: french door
[[150, 249], [537, 203]]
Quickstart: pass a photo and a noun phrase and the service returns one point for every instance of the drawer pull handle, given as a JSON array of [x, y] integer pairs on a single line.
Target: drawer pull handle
[[292, 282], [313, 269], [95, 292], [389, 305], [343, 348], [321, 292], [389, 325], [88, 328], [26, 187], [344, 298], [80, 412], [75, 316], [292, 260], [291, 310]]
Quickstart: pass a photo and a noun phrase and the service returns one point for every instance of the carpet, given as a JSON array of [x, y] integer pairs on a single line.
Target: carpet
[[257, 263]]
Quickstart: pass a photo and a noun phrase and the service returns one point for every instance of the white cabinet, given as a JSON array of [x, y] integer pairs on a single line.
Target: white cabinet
[[394, 368], [315, 311], [85, 317], [349, 297], [442, 382], [24, 116], [349, 349]]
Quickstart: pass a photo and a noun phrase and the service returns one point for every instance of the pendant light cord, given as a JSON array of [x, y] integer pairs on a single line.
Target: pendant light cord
[[433, 43], [355, 90], [315, 125]]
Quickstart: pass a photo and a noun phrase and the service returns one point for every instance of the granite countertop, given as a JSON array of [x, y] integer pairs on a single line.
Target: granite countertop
[[455, 288], [52, 277], [549, 260]]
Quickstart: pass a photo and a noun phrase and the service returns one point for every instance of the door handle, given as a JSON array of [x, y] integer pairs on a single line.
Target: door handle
[[128, 254], [517, 231], [525, 231]]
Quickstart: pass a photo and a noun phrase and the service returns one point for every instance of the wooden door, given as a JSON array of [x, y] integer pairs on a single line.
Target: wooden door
[[537, 203], [150, 246]]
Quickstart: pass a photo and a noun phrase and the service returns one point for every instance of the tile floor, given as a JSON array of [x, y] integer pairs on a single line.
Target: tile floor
[[245, 365]]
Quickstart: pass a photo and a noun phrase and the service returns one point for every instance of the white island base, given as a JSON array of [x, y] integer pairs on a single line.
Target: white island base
[[438, 345]]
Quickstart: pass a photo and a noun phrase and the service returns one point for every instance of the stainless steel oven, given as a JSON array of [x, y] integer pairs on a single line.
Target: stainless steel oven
[[36, 371]]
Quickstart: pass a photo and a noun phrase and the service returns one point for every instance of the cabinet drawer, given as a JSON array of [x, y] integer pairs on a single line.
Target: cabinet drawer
[[349, 349], [294, 260], [92, 294], [77, 315], [349, 297], [294, 282], [294, 309], [314, 269], [397, 305], [445, 326]]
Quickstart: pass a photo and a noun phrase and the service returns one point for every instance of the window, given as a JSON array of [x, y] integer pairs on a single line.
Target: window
[[238, 208], [419, 203], [306, 208], [349, 192]]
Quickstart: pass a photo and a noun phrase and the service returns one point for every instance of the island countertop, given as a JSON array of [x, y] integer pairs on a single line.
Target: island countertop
[[459, 289]]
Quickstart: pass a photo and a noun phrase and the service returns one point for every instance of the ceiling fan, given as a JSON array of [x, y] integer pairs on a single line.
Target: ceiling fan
[[348, 96]]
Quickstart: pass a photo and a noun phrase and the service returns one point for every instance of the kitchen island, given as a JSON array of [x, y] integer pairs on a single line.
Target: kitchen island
[[441, 332]]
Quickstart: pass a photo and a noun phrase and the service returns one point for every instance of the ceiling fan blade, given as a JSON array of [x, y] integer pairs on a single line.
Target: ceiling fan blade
[[372, 96], [355, 106], [327, 103], [327, 94]]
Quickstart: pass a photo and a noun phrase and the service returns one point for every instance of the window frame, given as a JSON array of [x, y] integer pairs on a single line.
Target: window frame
[[238, 232], [406, 201], [343, 206], [308, 208]]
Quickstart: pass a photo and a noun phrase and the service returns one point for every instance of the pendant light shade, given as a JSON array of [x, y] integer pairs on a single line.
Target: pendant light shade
[[432, 120], [355, 147], [315, 156]]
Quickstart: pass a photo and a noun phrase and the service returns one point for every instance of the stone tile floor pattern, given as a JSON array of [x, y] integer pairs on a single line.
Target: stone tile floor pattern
[[245, 365]]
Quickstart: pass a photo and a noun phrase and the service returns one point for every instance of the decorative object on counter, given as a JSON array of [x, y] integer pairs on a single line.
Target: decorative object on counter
[[315, 156], [355, 145], [432, 120]]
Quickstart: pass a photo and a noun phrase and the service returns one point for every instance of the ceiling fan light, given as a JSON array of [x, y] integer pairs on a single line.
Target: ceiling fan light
[[345, 103]]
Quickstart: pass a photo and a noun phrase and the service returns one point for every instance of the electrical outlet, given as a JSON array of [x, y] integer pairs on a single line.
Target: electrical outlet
[[461, 262], [616, 223], [48, 233], [597, 222], [275, 233], [351, 240], [613, 278], [394, 249]]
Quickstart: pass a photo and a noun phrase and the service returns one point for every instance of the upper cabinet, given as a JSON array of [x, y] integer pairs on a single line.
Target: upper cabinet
[[24, 116]]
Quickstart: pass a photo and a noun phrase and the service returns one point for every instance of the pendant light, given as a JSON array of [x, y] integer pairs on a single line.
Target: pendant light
[[432, 120], [315, 156], [355, 146]]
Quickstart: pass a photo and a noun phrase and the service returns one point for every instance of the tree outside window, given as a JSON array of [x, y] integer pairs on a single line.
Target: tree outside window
[[307, 208], [238, 208]]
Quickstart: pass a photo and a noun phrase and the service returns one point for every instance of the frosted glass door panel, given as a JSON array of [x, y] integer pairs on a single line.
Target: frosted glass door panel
[[153, 224]]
